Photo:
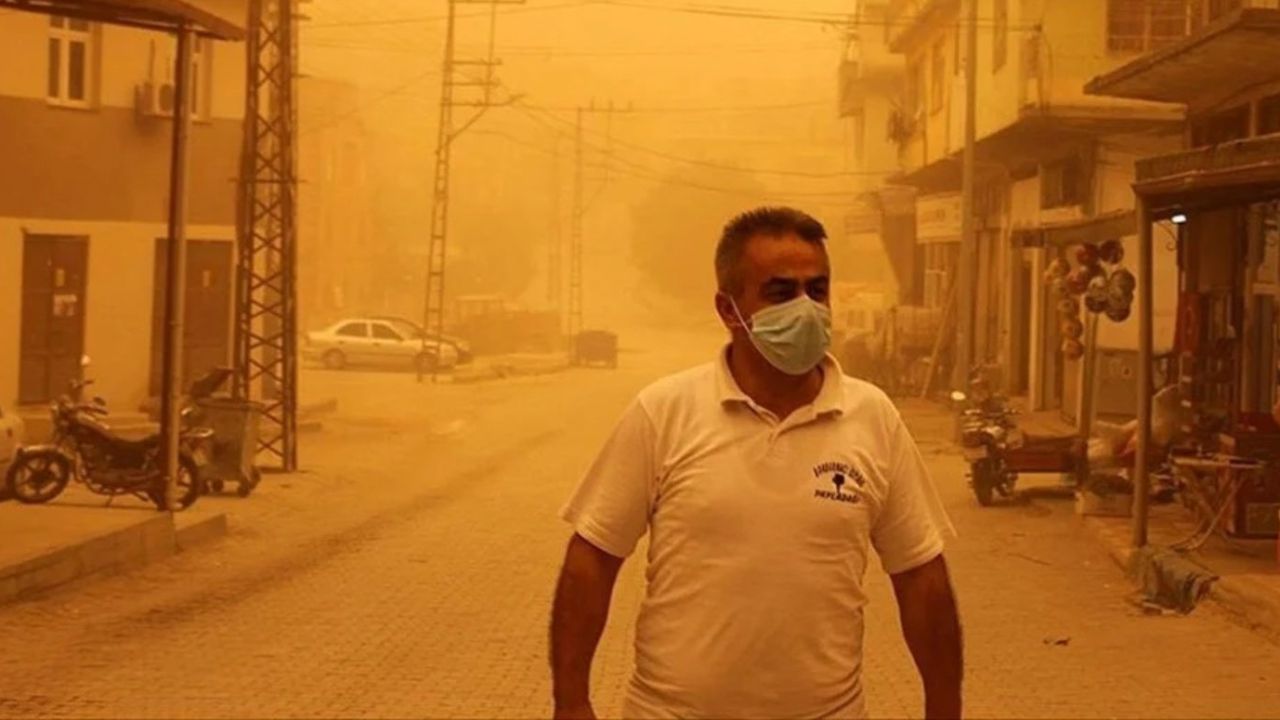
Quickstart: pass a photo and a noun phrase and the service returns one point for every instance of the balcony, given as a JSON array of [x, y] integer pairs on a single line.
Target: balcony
[[905, 20], [1238, 50], [1234, 173]]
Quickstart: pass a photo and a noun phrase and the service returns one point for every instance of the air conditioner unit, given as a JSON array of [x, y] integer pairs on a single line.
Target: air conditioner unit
[[155, 99]]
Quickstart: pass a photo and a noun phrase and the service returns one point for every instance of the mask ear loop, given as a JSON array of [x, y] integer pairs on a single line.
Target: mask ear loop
[[738, 313]]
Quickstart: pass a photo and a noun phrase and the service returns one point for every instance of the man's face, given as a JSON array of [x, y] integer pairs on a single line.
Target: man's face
[[775, 270]]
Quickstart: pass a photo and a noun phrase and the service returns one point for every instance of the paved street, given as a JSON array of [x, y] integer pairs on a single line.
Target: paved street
[[410, 576]]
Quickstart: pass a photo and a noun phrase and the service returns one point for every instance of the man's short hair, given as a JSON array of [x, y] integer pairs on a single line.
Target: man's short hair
[[768, 221]]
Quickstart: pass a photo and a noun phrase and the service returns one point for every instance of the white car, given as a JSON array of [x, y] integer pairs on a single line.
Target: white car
[[377, 342], [11, 432]]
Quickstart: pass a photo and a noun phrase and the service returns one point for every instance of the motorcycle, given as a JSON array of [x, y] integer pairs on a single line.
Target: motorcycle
[[998, 451], [85, 449]]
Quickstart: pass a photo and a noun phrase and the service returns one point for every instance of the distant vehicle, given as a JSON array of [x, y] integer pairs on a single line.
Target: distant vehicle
[[460, 345], [377, 342]]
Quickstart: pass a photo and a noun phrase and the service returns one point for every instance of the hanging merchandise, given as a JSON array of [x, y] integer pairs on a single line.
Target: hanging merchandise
[[1072, 349], [1078, 280], [1119, 313], [1072, 328], [1069, 307], [1124, 281], [1059, 268], [1111, 252], [1096, 295], [1087, 255]]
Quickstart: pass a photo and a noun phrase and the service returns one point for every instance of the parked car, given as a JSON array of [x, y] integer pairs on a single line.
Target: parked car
[[376, 342], [460, 346], [11, 437]]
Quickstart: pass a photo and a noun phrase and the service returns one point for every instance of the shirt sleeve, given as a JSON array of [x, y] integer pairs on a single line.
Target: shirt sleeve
[[612, 504], [912, 526]]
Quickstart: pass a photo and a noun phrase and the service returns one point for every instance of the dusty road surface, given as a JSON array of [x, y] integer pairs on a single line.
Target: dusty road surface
[[409, 574]]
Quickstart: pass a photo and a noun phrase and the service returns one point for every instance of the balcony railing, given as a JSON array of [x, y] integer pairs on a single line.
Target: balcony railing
[[1217, 158], [905, 16]]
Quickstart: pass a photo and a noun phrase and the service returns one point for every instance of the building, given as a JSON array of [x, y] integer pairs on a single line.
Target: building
[[1054, 168], [882, 222], [1222, 188], [84, 206], [338, 274]]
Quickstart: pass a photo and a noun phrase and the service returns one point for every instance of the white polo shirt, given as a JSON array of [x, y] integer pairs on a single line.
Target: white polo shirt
[[760, 531]]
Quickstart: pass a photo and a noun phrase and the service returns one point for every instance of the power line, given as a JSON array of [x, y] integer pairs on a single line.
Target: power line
[[720, 166], [441, 18]]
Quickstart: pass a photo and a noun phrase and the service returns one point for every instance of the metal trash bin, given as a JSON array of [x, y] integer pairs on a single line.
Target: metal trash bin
[[235, 443]]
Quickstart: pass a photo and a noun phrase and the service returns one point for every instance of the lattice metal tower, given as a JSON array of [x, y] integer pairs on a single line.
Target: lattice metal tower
[[266, 359], [455, 78]]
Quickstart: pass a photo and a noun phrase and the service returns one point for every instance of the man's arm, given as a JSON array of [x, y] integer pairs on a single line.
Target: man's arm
[[931, 625], [577, 621]]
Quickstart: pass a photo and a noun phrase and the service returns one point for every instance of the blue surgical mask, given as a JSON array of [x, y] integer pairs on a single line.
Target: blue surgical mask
[[793, 337]]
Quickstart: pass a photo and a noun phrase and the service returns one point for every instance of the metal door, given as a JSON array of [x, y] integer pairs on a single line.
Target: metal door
[[207, 332], [54, 270]]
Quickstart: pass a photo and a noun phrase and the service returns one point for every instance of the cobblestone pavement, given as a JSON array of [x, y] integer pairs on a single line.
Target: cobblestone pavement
[[417, 584]]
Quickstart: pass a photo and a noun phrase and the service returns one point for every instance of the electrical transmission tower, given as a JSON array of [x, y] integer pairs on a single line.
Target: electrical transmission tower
[[580, 205], [455, 78], [266, 359]]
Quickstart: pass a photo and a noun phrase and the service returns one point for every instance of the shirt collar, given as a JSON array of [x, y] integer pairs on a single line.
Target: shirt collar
[[830, 398]]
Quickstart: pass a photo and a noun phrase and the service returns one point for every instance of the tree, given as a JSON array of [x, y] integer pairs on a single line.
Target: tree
[[676, 227]]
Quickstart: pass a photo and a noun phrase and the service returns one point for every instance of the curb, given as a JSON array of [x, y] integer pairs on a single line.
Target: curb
[[1249, 602], [111, 553]]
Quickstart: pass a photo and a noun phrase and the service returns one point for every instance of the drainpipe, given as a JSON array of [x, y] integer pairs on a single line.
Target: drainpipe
[[176, 272], [1141, 475]]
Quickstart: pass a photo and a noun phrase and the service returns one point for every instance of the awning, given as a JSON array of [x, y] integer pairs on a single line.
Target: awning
[[1237, 51], [164, 15], [1095, 230], [1234, 173], [1041, 135]]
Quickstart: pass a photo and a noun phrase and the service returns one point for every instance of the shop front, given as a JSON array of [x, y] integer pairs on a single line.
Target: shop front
[[1222, 197]]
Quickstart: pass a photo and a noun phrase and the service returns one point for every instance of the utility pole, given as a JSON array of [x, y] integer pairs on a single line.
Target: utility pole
[[968, 223], [555, 242], [266, 358], [580, 206], [575, 244], [446, 133]]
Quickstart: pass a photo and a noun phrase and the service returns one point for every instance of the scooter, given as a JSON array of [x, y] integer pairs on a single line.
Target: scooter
[[85, 449], [998, 451]]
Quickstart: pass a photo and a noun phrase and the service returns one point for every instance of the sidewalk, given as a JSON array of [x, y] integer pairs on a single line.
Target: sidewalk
[[1248, 571], [77, 538], [1248, 587]]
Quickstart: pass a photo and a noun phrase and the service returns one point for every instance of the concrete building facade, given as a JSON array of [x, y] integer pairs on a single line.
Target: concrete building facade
[[1054, 166], [84, 203]]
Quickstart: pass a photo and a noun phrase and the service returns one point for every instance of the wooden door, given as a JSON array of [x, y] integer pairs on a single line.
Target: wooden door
[[207, 332], [54, 270]]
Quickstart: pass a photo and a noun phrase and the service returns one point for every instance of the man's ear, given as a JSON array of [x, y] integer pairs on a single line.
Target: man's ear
[[725, 309]]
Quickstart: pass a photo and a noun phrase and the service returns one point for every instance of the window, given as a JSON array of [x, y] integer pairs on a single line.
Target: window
[[353, 330], [382, 332], [1144, 25], [938, 86], [1000, 39], [70, 58], [1064, 183]]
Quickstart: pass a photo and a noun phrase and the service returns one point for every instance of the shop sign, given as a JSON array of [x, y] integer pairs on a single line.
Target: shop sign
[[938, 218]]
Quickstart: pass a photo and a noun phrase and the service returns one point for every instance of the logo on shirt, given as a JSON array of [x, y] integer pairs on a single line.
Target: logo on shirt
[[844, 478]]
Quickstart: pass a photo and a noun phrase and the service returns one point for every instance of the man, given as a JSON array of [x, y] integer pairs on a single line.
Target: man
[[764, 479]]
